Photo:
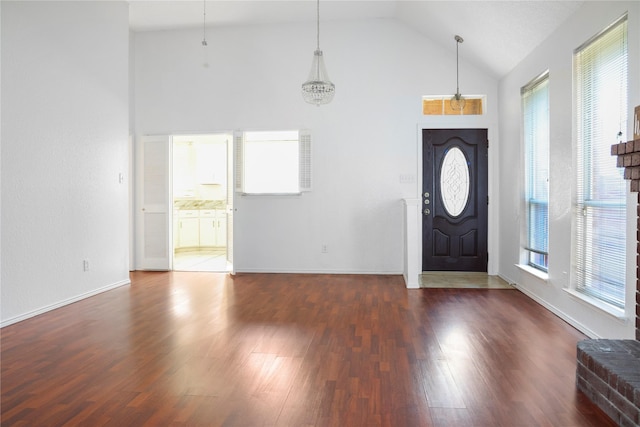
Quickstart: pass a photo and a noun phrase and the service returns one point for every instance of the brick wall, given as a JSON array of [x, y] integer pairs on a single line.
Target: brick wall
[[628, 154], [629, 158], [608, 373]]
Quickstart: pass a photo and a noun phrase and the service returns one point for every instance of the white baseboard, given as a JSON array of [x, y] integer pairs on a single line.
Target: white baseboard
[[276, 271], [570, 320], [62, 303]]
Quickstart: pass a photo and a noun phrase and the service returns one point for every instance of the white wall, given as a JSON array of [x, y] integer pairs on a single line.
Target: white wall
[[362, 142], [64, 143], [556, 54]]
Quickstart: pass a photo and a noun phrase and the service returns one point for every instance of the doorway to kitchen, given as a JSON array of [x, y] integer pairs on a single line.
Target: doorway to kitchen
[[200, 194]]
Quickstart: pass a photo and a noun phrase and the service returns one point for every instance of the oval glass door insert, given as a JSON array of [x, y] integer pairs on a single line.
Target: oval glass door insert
[[454, 181]]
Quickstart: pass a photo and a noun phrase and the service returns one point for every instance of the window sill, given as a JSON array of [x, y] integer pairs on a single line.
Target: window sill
[[609, 309], [534, 272]]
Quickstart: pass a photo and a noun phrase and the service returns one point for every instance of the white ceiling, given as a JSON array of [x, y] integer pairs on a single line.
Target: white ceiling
[[497, 34]]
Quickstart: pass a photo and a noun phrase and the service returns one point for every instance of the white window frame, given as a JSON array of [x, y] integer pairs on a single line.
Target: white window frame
[[599, 258], [303, 166], [535, 124]]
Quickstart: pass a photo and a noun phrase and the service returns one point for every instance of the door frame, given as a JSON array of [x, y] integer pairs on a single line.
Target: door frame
[[136, 159], [474, 146], [460, 122]]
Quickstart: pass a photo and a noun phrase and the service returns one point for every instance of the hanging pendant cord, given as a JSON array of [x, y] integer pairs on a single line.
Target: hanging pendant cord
[[457, 78], [318, 22], [204, 23], [623, 47], [318, 38]]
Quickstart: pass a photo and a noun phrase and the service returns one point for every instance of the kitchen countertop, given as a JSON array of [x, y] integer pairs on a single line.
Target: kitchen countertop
[[199, 204]]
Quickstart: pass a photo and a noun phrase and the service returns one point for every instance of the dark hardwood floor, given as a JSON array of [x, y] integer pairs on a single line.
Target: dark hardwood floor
[[206, 349]]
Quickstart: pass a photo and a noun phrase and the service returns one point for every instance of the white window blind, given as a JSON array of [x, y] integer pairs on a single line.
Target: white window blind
[[600, 75], [535, 109], [273, 162]]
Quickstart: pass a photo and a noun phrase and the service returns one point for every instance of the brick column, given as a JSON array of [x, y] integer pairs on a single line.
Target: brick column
[[628, 154]]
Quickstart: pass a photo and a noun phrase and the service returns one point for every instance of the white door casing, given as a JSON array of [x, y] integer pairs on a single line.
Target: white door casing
[[232, 164]]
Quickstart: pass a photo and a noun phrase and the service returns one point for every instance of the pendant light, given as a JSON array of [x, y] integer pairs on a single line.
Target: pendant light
[[318, 89], [457, 101]]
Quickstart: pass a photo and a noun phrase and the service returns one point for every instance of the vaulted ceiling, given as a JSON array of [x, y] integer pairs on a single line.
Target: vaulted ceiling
[[497, 34]]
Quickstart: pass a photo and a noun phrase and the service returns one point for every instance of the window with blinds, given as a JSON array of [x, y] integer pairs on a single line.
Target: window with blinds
[[600, 76], [535, 115]]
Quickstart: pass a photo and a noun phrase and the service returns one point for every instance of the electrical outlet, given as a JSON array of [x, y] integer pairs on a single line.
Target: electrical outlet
[[85, 265], [323, 249]]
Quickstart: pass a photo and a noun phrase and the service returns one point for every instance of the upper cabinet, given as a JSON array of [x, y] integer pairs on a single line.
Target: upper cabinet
[[210, 163], [199, 169]]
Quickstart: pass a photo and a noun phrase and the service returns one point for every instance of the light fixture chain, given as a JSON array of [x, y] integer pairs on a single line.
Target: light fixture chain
[[318, 22], [457, 101], [457, 68]]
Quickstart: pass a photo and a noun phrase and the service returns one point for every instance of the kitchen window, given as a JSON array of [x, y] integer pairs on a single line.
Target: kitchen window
[[273, 162]]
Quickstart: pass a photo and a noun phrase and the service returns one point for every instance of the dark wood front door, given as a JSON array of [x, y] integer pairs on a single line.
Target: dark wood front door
[[454, 199]]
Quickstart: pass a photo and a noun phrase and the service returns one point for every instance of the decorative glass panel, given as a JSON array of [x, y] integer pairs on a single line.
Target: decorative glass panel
[[440, 106], [454, 181]]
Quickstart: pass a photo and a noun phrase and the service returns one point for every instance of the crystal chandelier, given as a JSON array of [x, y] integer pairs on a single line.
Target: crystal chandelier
[[457, 101], [318, 89]]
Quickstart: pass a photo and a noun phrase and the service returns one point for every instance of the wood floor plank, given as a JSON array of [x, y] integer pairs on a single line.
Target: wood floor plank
[[208, 349]]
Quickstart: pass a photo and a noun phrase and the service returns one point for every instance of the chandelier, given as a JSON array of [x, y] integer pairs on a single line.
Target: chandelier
[[318, 89]]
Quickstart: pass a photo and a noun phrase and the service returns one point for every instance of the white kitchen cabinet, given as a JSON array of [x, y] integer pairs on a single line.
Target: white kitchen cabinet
[[221, 228], [204, 228], [176, 228], [188, 229], [208, 228], [211, 163], [213, 228], [184, 184]]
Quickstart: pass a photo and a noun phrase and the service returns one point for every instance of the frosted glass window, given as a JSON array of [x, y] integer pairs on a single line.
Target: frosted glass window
[[273, 162], [454, 181]]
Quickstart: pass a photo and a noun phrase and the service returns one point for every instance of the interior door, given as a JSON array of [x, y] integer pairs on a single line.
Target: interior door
[[154, 228], [454, 200], [231, 175]]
